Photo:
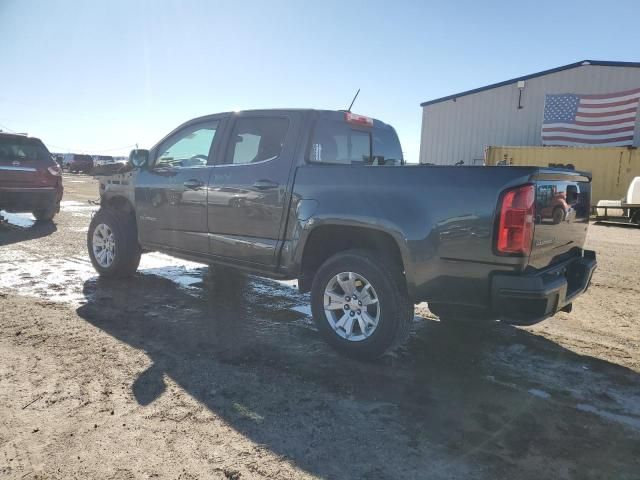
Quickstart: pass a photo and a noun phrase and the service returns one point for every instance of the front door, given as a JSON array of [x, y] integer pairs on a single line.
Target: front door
[[248, 190], [171, 196]]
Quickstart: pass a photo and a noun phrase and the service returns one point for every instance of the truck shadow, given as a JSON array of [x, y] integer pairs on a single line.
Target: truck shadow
[[11, 233], [454, 400]]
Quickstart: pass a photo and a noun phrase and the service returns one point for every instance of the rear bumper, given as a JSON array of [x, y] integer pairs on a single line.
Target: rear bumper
[[29, 199], [528, 299]]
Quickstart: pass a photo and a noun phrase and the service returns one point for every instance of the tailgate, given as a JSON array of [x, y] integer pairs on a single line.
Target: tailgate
[[562, 205]]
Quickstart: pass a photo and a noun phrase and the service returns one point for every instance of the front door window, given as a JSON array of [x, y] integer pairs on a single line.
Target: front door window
[[189, 148]]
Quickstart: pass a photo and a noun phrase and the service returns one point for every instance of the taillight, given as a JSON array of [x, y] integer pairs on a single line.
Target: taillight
[[356, 119], [55, 170], [515, 225]]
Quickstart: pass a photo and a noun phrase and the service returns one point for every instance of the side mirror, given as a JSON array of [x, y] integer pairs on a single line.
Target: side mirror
[[139, 158]]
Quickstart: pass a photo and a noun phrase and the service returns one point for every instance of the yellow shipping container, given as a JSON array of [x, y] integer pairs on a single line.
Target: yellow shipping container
[[612, 168]]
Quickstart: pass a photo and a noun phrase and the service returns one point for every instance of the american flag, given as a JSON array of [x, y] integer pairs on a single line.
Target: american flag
[[607, 120]]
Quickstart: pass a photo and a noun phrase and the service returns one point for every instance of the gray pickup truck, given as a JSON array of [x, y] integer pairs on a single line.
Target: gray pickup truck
[[324, 197]]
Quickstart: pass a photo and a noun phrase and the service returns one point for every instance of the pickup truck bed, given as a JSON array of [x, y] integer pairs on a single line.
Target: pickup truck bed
[[324, 197]]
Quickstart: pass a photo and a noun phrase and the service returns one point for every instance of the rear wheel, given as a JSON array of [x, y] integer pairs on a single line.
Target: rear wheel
[[113, 246], [45, 214], [360, 305]]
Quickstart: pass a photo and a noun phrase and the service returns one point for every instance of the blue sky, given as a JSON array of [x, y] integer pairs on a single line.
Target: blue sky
[[101, 76]]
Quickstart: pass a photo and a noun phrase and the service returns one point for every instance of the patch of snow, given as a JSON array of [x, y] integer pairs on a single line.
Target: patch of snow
[[62, 279], [59, 280], [539, 393], [24, 220], [304, 309], [78, 209], [633, 422], [182, 272]]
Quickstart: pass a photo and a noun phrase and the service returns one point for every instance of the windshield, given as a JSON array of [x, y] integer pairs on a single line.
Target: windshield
[[22, 148]]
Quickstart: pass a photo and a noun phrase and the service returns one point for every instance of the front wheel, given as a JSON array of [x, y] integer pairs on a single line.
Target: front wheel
[[360, 304], [113, 246]]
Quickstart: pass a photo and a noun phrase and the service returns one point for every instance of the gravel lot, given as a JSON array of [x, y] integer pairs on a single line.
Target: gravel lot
[[185, 372]]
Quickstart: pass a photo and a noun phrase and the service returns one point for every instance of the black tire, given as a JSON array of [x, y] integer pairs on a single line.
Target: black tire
[[127, 250], [396, 310], [558, 215], [46, 214]]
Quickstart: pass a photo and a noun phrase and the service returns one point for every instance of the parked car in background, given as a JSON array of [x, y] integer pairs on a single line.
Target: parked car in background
[[626, 210], [553, 204], [107, 165], [324, 197], [78, 162], [102, 160], [30, 179]]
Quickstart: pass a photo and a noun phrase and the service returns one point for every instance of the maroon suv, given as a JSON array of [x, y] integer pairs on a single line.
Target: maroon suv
[[80, 163], [30, 179]]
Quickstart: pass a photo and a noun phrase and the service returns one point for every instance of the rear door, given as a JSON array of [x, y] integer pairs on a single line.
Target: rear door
[[248, 190], [562, 216], [171, 196]]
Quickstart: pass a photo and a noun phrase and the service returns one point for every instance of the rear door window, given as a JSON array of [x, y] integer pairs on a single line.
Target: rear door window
[[257, 139]]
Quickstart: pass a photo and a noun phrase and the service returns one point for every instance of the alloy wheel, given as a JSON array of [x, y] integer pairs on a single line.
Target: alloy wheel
[[351, 306]]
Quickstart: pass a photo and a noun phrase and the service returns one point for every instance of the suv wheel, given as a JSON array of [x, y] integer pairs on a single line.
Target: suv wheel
[[360, 305], [46, 214], [113, 246]]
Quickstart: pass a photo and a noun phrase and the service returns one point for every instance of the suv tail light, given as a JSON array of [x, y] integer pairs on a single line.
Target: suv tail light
[[516, 221]]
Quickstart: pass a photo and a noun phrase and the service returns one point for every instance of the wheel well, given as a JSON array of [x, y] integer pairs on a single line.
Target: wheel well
[[119, 203], [326, 241]]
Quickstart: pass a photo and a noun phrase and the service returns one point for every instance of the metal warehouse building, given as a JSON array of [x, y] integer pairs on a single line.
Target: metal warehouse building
[[459, 127]]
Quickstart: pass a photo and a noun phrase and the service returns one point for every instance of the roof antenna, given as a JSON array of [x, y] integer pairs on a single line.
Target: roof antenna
[[353, 101]]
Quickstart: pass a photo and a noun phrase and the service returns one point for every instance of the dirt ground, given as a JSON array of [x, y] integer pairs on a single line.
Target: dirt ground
[[185, 372]]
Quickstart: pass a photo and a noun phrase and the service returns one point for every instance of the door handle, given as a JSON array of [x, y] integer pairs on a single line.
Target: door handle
[[265, 185], [193, 184]]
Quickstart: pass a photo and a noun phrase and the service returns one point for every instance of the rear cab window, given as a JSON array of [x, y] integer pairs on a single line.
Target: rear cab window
[[335, 141]]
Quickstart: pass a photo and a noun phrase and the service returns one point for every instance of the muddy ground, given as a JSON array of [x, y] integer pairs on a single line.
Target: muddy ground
[[185, 372]]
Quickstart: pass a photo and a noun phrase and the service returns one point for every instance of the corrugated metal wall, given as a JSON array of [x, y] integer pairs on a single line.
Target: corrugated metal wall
[[461, 129], [612, 168]]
